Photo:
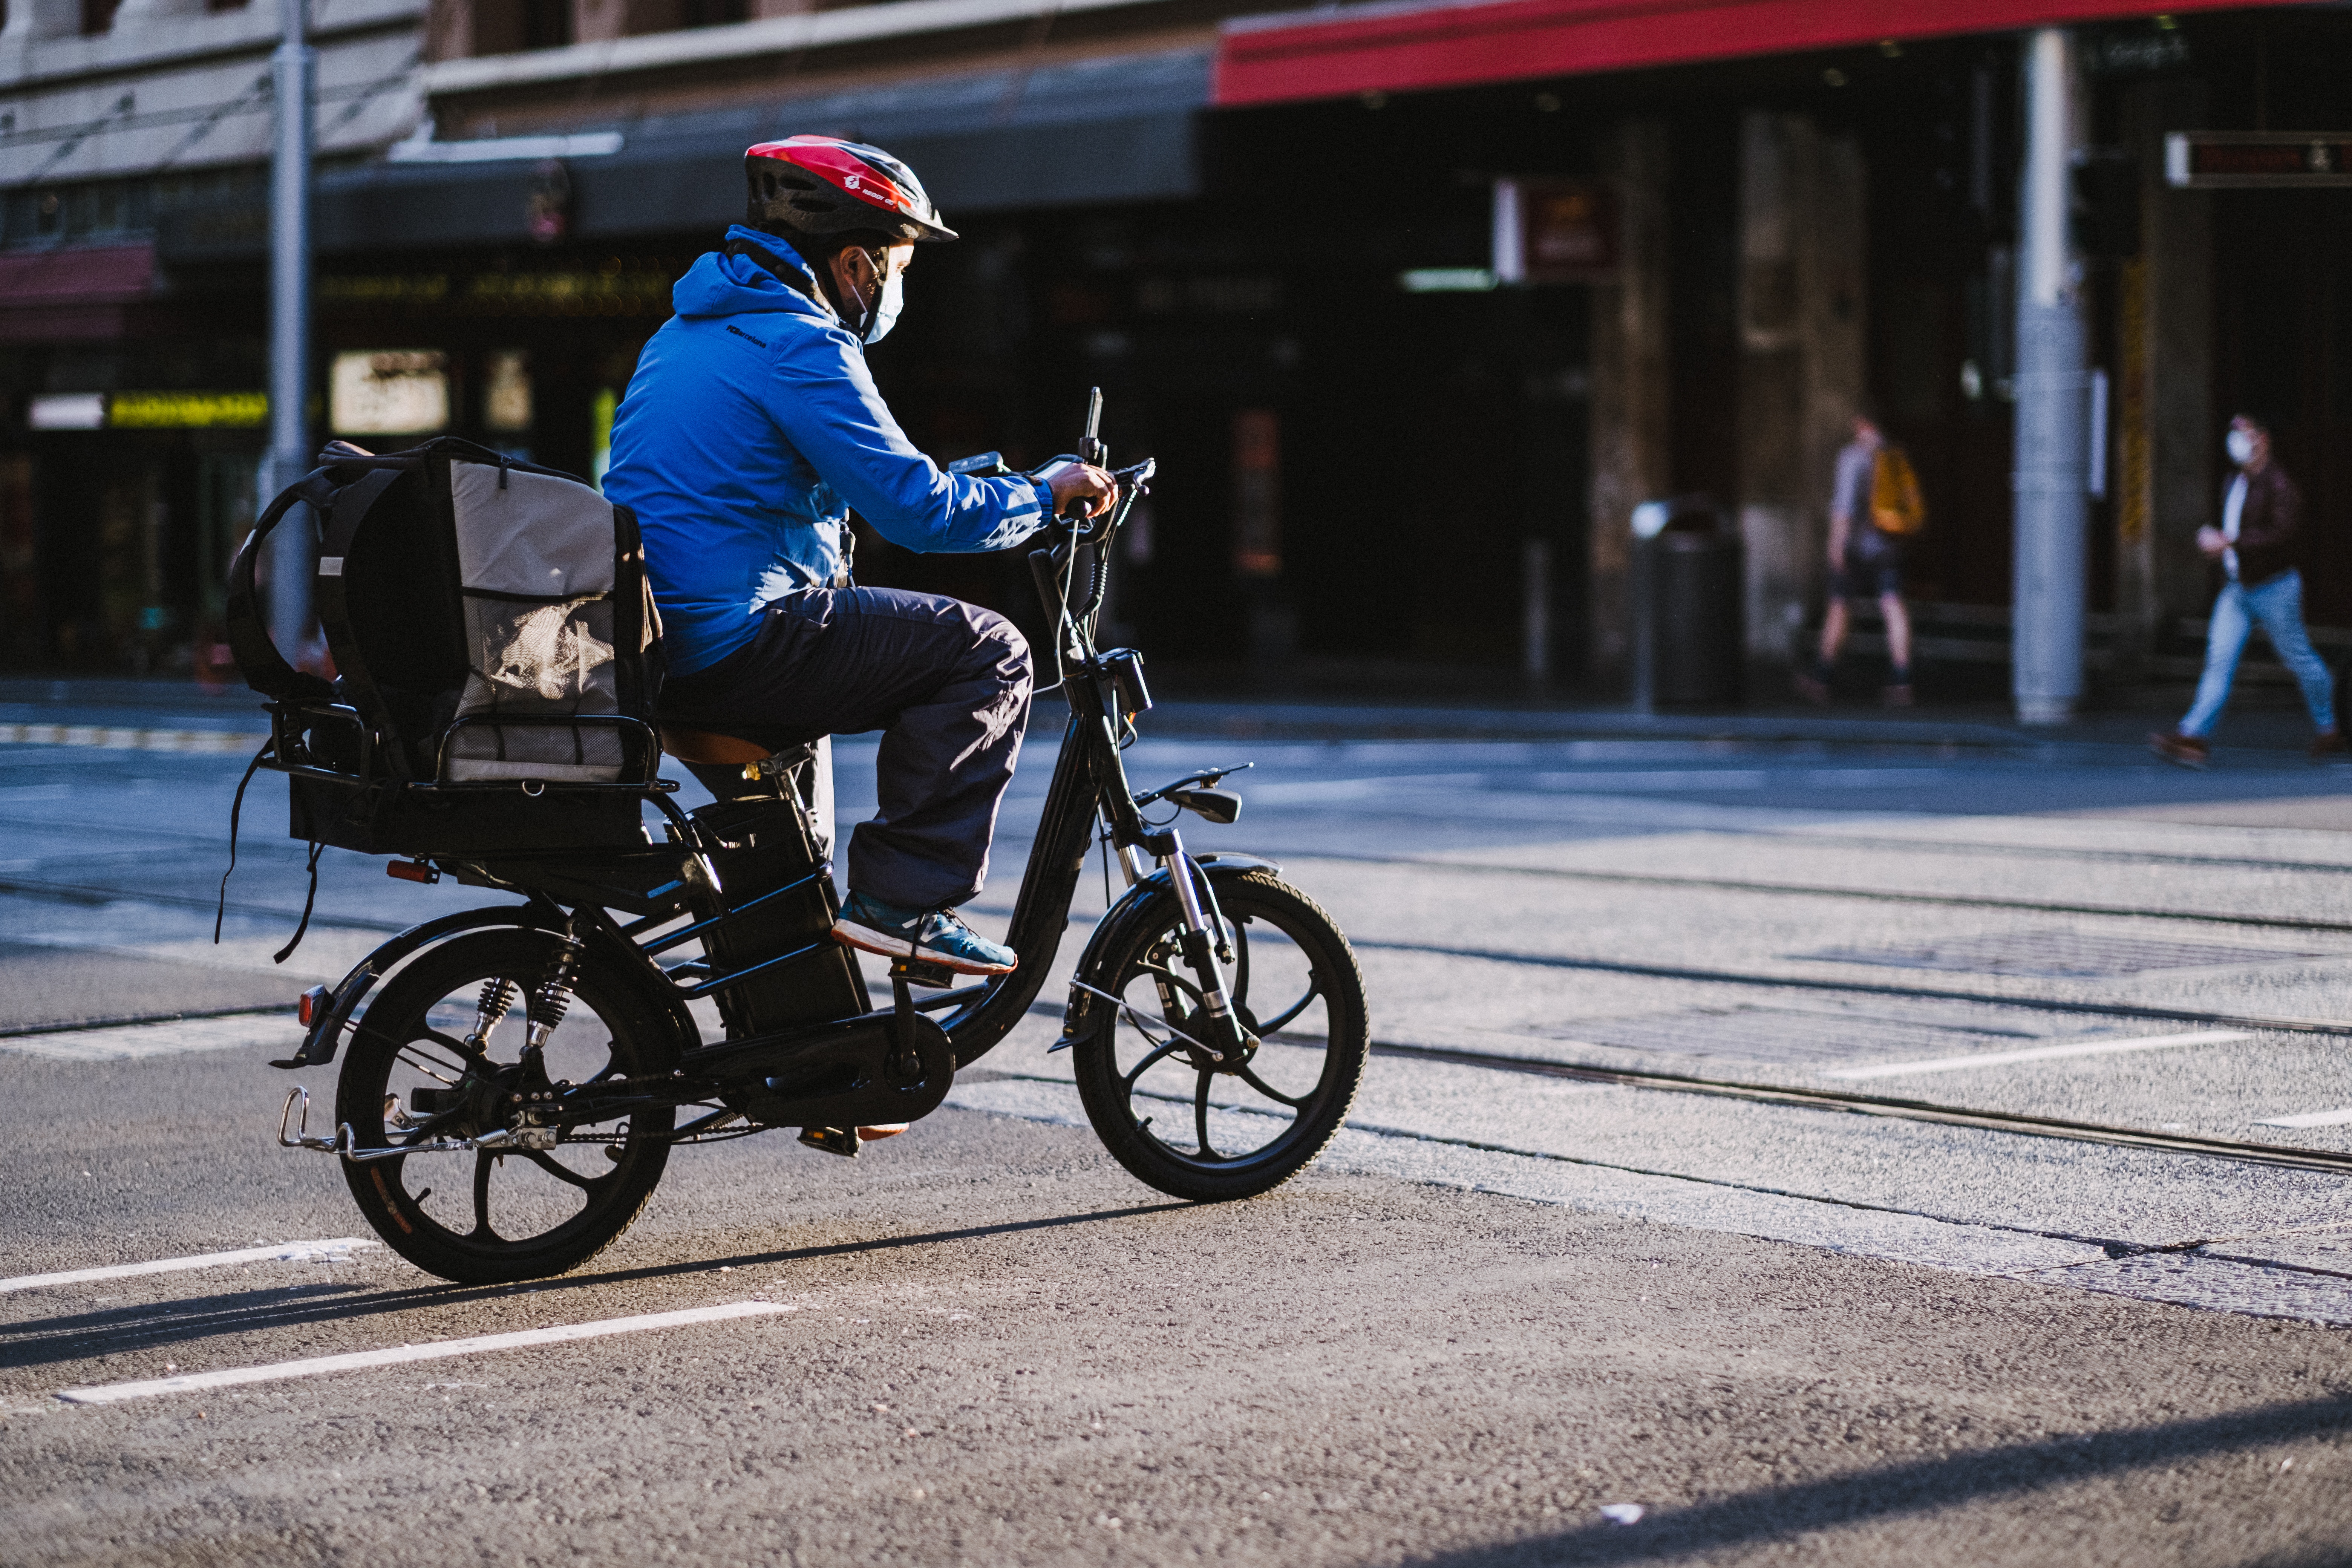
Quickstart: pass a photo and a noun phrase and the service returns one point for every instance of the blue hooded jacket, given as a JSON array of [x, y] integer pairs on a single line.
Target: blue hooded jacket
[[749, 429]]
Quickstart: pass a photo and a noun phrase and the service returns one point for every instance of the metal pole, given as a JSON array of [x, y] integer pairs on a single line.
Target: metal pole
[[294, 546], [2046, 652]]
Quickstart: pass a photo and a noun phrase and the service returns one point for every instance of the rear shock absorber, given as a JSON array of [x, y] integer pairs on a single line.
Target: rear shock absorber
[[498, 995], [549, 1003]]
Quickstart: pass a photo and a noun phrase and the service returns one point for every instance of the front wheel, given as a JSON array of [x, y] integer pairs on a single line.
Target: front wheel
[[1205, 1130], [440, 1053]]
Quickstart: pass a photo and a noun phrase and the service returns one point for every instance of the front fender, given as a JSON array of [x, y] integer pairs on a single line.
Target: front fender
[[1144, 903]]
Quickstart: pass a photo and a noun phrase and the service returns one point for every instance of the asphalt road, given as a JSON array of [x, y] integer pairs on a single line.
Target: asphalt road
[[1504, 1301]]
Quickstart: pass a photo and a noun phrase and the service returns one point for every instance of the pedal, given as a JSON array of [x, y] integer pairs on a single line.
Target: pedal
[[915, 972], [840, 1141]]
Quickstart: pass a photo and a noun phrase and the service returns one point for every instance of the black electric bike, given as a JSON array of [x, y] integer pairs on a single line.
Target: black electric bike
[[515, 1076]]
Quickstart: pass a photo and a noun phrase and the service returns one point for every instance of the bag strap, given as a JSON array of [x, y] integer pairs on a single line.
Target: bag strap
[[258, 659], [343, 525]]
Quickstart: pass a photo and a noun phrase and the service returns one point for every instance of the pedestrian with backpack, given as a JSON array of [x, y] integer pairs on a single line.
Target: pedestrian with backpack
[[1874, 505], [2258, 547]]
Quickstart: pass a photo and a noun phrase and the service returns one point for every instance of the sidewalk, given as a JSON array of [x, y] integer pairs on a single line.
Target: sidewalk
[[2253, 724]]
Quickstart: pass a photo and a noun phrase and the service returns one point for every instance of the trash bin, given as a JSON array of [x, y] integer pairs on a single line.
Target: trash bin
[[1690, 640]]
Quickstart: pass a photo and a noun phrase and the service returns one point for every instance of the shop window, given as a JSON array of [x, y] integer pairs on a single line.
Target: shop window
[[546, 24], [1913, 372], [1257, 493], [389, 392], [98, 17], [514, 25], [507, 392]]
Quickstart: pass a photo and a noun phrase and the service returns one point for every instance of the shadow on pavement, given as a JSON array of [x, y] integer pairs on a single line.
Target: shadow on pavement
[[1778, 1514], [44, 1342]]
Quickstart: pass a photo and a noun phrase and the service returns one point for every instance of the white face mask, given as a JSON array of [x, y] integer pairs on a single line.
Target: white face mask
[[2240, 445], [885, 314]]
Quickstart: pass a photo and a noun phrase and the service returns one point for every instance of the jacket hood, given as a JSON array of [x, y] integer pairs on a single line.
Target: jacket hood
[[722, 285]]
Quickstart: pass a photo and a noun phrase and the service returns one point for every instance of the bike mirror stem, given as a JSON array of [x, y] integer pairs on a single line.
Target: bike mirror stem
[[1091, 446]]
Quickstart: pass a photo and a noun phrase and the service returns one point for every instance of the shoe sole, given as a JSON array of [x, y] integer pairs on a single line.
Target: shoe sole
[[882, 944], [2195, 764]]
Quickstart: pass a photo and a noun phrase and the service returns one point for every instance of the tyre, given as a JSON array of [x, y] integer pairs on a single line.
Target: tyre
[[492, 1219], [1207, 1130]]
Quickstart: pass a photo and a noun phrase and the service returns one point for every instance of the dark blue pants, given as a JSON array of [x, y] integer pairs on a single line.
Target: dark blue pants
[[946, 682]]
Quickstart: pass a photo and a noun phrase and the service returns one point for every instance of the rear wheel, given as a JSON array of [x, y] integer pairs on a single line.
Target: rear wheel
[[417, 1071], [1197, 1128]]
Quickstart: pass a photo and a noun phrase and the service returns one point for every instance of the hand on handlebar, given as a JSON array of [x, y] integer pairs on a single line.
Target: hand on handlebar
[[1080, 489]]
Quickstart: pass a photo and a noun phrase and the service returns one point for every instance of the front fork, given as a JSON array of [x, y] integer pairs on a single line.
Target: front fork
[[1207, 947]]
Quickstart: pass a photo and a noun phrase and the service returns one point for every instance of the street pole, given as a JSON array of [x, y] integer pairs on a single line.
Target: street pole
[[294, 546], [2048, 573]]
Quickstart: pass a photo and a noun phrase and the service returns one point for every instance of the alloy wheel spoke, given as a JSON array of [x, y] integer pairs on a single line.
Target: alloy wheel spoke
[[1167, 1048], [482, 1231], [1314, 989], [561, 1171], [1259, 1084]]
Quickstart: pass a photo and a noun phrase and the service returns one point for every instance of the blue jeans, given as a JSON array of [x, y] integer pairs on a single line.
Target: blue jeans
[[2277, 603]]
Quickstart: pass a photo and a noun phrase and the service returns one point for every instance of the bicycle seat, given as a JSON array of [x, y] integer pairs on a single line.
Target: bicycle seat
[[710, 748]]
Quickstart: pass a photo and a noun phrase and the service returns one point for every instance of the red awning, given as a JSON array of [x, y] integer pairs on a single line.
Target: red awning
[[112, 275], [73, 296], [1394, 48]]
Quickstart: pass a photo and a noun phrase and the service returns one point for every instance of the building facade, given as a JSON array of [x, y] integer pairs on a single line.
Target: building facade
[[1398, 448], [133, 384]]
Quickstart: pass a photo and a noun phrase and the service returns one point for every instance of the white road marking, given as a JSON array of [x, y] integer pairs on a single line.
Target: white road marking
[[2313, 1119], [2041, 1053], [115, 1393], [284, 1252], [1603, 782], [127, 739], [276, 1027]]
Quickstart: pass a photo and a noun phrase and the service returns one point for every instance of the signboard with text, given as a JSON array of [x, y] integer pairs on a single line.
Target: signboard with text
[[1555, 231], [2245, 159]]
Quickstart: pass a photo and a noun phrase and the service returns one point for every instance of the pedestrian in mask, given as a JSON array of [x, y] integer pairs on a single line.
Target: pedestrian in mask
[[2258, 549]]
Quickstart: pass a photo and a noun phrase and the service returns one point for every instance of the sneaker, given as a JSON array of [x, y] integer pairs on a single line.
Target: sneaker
[[2328, 743], [2187, 751], [925, 936]]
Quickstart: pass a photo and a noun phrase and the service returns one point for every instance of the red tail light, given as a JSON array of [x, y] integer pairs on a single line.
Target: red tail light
[[311, 1006], [412, 871]]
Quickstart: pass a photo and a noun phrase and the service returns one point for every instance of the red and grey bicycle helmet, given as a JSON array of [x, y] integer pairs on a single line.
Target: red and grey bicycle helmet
[[822, 184]]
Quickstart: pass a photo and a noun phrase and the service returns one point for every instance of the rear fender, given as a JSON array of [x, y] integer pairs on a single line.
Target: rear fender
[[326, 1032], [1146, 902]]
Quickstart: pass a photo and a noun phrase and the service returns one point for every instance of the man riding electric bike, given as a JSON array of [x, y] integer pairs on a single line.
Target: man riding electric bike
[[749, 431]]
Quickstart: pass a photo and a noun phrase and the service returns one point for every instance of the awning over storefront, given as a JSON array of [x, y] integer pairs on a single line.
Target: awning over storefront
[[1108, 130], [70, 295], [1392, 46]]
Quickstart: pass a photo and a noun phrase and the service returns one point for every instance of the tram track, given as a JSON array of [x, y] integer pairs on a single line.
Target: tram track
[[1829, 890], [2318, 1026], [2278, 1156]]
